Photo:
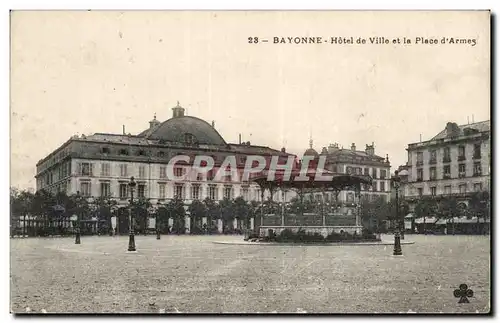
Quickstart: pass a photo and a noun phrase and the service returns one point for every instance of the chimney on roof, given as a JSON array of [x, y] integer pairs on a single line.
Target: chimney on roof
[[213, 124], [240, 138], [333, 147], [283, 150], [353, 147], [452, 129], [370, 149], [324, 151], [123, 129]]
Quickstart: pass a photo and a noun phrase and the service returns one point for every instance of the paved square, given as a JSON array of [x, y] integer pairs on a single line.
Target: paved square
[[192, 274]]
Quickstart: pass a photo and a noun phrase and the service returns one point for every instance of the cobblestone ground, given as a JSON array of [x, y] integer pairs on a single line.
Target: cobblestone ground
[[191, 274]]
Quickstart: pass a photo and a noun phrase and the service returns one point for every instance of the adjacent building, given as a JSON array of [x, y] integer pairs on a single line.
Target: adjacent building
[[354, 161], [455, 162]]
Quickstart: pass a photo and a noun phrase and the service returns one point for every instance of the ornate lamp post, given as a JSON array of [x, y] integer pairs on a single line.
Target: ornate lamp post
[[397, 238], [131, 239], [77, 232], [157, 221]]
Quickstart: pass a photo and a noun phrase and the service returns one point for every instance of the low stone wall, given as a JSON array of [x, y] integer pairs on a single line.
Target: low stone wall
[[323, 230]]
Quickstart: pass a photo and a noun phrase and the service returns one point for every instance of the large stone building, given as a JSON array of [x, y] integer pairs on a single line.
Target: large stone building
[[354, 161], [455, 162], [102, 164]]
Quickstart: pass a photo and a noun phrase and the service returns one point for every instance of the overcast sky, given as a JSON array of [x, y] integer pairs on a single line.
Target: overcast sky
[[87, 72]]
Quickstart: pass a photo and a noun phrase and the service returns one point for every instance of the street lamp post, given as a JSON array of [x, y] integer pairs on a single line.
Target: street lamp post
[[131, 239], [77, 233], [157, 221], [397, 237]]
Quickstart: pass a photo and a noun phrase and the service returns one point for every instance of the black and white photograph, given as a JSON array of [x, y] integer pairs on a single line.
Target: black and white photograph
[[177, 162]]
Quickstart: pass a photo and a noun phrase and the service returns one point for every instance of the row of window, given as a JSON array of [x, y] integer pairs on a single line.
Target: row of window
[[179, 191], [366, 171], [447, 156], [447, 172], [87, 169], [350, 197], [462, 188]]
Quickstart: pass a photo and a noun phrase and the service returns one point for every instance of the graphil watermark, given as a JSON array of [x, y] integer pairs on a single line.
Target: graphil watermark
[[285, 168]]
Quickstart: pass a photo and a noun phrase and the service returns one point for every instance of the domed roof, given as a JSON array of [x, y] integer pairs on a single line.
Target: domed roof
[[187, 128], [311, 152]]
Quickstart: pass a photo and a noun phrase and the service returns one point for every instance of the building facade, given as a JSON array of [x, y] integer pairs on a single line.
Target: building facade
[[353, 161], [102, 164], [455, 162]]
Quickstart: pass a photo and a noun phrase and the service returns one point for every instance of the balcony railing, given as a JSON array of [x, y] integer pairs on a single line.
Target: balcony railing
[[461, 175], [476, 156], [446, 159], [447, 176], [432, 161], [476, 174], [420, 179], [420, 162], [460, 158]]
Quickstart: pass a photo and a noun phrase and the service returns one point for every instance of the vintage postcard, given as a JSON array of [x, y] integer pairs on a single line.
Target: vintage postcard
[[184, 162]]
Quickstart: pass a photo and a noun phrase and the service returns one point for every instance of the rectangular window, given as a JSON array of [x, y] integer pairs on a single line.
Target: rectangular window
[[244, 193], [210, 175], [123, 170], [178, 171], [461, 152], [374, 173], [432, 173], [179, 191], [447, 189], [123, 191], [195, 192], [85, 189], [477, 151], [420, 158], [86, 169], [446, 172], [420, 174], [105, 190], [257, 195], [461, 170], [433, 156], [228, 192], [375, 186], [420, 191], [162, 191], [163, 172], [212, 192], [478, 187], [383, 174], [367, 171], [142, 171], [382, 186], [433, 191], [462, 188], [141, 191], [105, 169], [477, 169], [349, 170], [446, 155]]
